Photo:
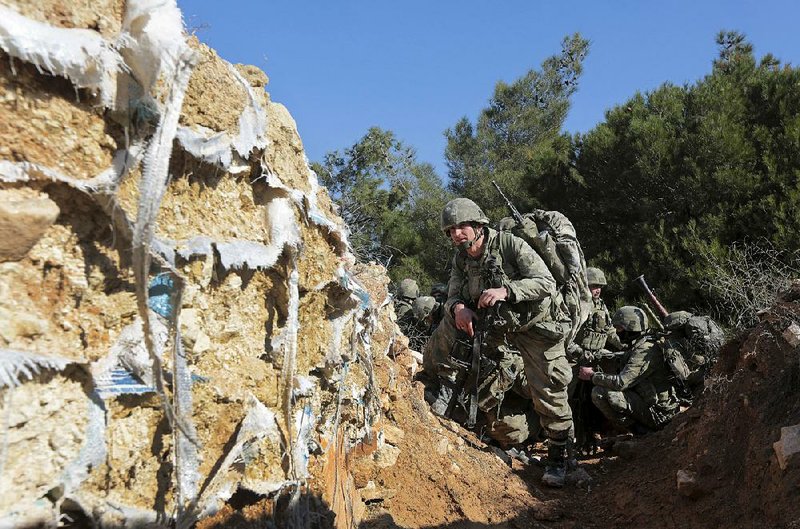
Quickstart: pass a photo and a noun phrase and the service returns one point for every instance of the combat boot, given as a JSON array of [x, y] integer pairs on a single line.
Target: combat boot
[[440, 400], [555, 468]]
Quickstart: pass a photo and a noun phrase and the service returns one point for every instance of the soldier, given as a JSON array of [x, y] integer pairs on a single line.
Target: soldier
[[498, 273], [407, 292], [595, 334], [439, 292], [642, 397], [427, 313]]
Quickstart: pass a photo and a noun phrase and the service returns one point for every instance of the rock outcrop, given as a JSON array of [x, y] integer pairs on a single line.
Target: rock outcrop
[[180, 317]]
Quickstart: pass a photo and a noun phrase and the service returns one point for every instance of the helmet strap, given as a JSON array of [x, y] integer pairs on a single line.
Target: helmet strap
[[470, 243]]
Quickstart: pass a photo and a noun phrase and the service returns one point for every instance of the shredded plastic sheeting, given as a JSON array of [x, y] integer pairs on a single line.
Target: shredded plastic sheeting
[[187, 456], [153, 40], [81, 55], [220, 148], [211, 147], [304, 426], [121, 382], [258, 424], [359, 293], [128, 368], [252, 255], [318, 217], [93, 450], [290, 362], [197, 246], [15, 366]]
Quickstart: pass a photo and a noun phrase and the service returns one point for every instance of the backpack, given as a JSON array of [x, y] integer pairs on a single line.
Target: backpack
[[553, 237], [704, 335]]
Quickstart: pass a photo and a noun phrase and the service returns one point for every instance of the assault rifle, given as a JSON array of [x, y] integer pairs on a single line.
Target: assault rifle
[[515, 214], [469, 372], [467, 356]]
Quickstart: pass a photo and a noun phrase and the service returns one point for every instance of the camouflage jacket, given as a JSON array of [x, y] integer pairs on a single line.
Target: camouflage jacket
[[525, 275], [402, 309], [597, 332], [644, 373]]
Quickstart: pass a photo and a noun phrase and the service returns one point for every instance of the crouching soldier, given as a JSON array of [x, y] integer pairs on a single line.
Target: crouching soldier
[[500, 287], [642, 397], [407, 292]]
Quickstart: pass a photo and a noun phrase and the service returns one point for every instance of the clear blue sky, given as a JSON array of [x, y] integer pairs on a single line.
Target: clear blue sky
[[417, 66]]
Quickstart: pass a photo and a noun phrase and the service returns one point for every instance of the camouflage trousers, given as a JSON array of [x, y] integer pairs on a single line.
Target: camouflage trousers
[[627, 408], [503, 396], [548, 374]]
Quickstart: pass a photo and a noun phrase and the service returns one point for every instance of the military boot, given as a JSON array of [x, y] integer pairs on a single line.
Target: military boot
[[440, 400], [555, 467]]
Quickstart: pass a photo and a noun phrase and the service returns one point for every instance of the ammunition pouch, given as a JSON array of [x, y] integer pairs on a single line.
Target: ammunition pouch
[[677, 365], [593, 340]]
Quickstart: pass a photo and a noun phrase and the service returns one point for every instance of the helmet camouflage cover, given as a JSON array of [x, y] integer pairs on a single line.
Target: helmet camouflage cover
[[408, 289], [630, 318], [423, 306], [595, 276], [459, 211], [677, 319]]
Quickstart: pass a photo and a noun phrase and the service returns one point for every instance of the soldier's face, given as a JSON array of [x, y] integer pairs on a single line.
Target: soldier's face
[[595, 290], [461, 233]]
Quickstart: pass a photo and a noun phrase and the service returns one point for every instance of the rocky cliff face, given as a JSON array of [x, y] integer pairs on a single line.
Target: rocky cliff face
[[180, 318]]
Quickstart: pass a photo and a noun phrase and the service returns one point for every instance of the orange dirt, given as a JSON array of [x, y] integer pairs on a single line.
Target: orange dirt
[[445, 477]]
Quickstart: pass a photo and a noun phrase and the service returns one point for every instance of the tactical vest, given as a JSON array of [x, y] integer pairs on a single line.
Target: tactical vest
[[478, 274], [593, 334]]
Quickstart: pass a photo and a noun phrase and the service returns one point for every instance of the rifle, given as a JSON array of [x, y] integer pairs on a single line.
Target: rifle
[[651, 297], [514, 213], [469, 377]]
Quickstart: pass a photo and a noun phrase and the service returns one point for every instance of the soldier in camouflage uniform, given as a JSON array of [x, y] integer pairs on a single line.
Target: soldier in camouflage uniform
[[407, 292], [427, 313], [439, 292], [596, 333], [642, 397], [527, 304]]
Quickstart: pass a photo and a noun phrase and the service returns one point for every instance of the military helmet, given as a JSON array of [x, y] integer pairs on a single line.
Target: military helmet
[[423, 306], [408, 289], [439, 290], [630, 318], [676, 320], [459, 211], [595, 276]]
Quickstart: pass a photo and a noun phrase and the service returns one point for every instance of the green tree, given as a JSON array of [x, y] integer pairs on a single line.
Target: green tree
[[391, 204], [520, 127], [673, 178]]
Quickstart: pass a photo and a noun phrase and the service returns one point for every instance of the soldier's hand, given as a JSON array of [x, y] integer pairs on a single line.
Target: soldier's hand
[[490, 296], [464, 316], [585, 373]]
